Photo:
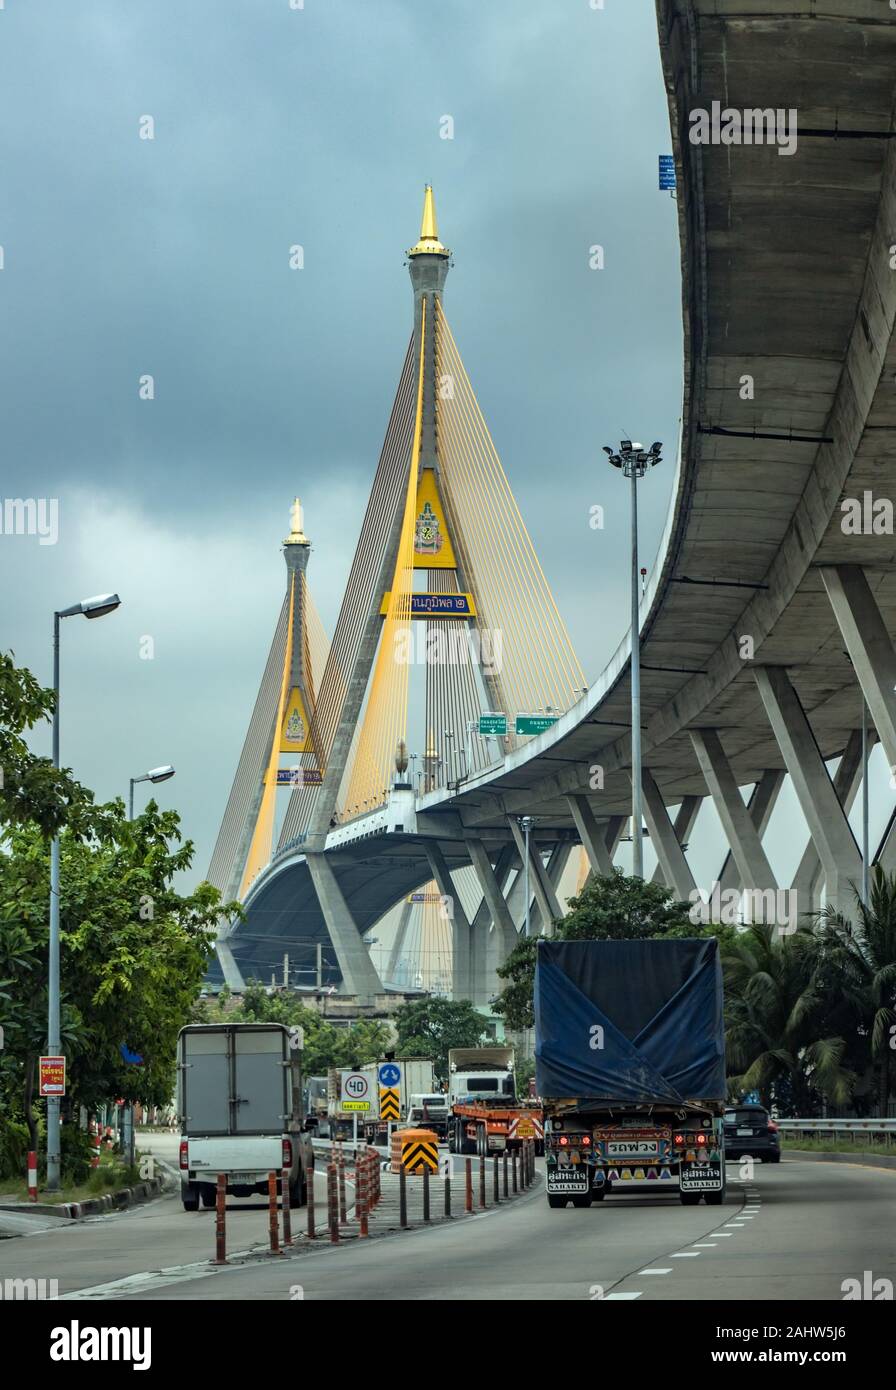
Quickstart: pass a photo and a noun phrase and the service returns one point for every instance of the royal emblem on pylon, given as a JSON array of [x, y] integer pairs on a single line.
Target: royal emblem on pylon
[[295, 728], [428, 538]]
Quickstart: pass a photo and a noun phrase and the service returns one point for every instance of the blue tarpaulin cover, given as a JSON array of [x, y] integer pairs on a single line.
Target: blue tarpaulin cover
[[659, 1006]]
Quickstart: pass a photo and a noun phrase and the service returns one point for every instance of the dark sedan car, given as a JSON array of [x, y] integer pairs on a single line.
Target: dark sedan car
[[750, 1130]]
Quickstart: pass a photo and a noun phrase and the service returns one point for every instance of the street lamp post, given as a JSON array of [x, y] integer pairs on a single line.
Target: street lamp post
[[634, 461], [155, 774], [526, 823], [90, 608]]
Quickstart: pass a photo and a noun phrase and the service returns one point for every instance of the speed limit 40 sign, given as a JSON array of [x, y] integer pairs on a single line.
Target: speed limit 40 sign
[[355, 1090]]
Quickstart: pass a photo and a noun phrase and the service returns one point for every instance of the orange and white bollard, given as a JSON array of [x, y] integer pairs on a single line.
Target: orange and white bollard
[[220, 1220], [272, 1214], [332, 1204], [284, 1199], [362, 1172]]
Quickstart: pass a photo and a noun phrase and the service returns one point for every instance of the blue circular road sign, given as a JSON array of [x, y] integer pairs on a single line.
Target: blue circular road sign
[[390, 1074]]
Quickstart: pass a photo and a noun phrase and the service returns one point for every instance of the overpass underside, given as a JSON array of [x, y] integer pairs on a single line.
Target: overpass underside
[[769, 620]]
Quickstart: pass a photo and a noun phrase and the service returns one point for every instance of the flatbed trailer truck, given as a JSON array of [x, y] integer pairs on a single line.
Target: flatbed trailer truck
[[486, 1115], [630, 1067]]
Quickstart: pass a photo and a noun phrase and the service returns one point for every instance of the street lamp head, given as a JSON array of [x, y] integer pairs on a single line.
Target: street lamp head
[[626, 446], [99, 605], [160, 774]]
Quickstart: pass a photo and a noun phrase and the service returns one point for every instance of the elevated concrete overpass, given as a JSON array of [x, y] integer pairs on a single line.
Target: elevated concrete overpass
[[769, 614]]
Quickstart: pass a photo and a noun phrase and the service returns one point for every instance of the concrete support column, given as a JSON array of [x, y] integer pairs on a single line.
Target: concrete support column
[[676, 869], [557, 862], [820, 804], [683, 826], [615, 827], [460, 927], [591, 835], [746, 846], [760, 806], [358, 972], [539, 883], [809, 878], [869, 645], [491, 891], [233, 978], [401, 933], [485, 953]]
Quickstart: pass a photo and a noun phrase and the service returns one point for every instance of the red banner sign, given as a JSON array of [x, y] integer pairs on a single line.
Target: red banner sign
[[52, 1076]]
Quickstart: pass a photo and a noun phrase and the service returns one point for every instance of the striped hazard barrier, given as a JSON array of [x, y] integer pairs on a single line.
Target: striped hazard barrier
[[415, 1150], [525, 1127], [390, 1105]]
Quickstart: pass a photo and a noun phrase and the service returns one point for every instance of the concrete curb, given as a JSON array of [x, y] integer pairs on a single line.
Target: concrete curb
[[870, 1160], [94, 1206]]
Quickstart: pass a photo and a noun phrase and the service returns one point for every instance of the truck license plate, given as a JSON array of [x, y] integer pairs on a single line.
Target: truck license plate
[[240, 1179], [525, 1129], [567, 1182], [702, 1176]]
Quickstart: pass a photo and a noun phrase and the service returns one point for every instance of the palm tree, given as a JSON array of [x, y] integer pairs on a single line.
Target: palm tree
[[773, 1006], [862, 960]]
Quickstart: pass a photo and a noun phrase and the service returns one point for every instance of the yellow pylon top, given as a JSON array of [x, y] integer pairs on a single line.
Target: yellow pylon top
[[429, 244]]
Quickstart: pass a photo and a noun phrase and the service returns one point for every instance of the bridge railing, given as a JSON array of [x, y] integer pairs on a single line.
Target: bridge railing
[[870, 1128]]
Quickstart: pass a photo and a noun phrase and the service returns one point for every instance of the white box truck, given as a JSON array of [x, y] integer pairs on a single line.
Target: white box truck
[[239, 1100]]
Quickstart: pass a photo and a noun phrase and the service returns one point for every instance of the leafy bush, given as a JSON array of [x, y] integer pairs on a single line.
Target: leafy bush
[[13, 1149], [77, 1152]]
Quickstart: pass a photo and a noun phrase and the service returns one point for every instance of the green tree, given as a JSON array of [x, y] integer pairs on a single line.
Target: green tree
[[325, 1045], [774, 1008], [614, 908], [133, 954], [32, 791], [859, 964], [430, 1027]]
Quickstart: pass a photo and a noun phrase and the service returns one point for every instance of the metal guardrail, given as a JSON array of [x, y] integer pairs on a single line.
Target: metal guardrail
[[871, 1126]]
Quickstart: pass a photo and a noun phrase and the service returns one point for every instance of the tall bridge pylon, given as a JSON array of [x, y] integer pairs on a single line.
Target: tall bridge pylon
[[446, 615]]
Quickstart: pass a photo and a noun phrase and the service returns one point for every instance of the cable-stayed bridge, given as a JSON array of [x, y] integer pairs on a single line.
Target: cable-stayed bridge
[[767, 621]]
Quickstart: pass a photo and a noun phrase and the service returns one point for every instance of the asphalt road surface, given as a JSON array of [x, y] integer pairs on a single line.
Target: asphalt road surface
[[794, 1232]]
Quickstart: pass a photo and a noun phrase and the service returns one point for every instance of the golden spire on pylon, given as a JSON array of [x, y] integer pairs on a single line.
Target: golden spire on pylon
[[296, 533], [429, 244]]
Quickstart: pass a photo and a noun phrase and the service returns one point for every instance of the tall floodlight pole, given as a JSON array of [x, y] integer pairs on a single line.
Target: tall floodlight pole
[[526, 823], [634, 461], [155, 774], [90, 608], [864, 801]]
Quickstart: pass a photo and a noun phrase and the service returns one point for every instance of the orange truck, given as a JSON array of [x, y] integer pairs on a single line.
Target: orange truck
[[485, 1114]]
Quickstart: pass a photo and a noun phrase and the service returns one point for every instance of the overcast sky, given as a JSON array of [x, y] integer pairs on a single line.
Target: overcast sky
[[315, 126]]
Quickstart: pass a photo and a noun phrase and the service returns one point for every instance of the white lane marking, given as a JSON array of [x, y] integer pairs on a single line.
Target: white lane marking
[[656, 1271], [621, 1297], [685, 1255], [716, 1234], [735, 1224], [704, 1245]]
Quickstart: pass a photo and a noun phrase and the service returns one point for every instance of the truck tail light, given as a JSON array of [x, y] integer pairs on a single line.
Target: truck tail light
[[563, 1140], [586, 1140], [184, 1153], [701, 1138], [679, 1138], [772, 1127], [286, 1161]]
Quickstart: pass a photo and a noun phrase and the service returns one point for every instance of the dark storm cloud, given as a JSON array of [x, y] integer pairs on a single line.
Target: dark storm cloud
[[319, 126]]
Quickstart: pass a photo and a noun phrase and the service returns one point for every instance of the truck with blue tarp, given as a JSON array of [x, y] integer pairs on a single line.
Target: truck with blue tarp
[[630, 1068]]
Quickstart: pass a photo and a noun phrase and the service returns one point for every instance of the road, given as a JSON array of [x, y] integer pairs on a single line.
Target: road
[[795, 1232]]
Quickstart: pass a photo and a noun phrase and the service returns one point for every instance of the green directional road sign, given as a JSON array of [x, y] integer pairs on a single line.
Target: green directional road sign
[[535, 723], [494, 725]]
